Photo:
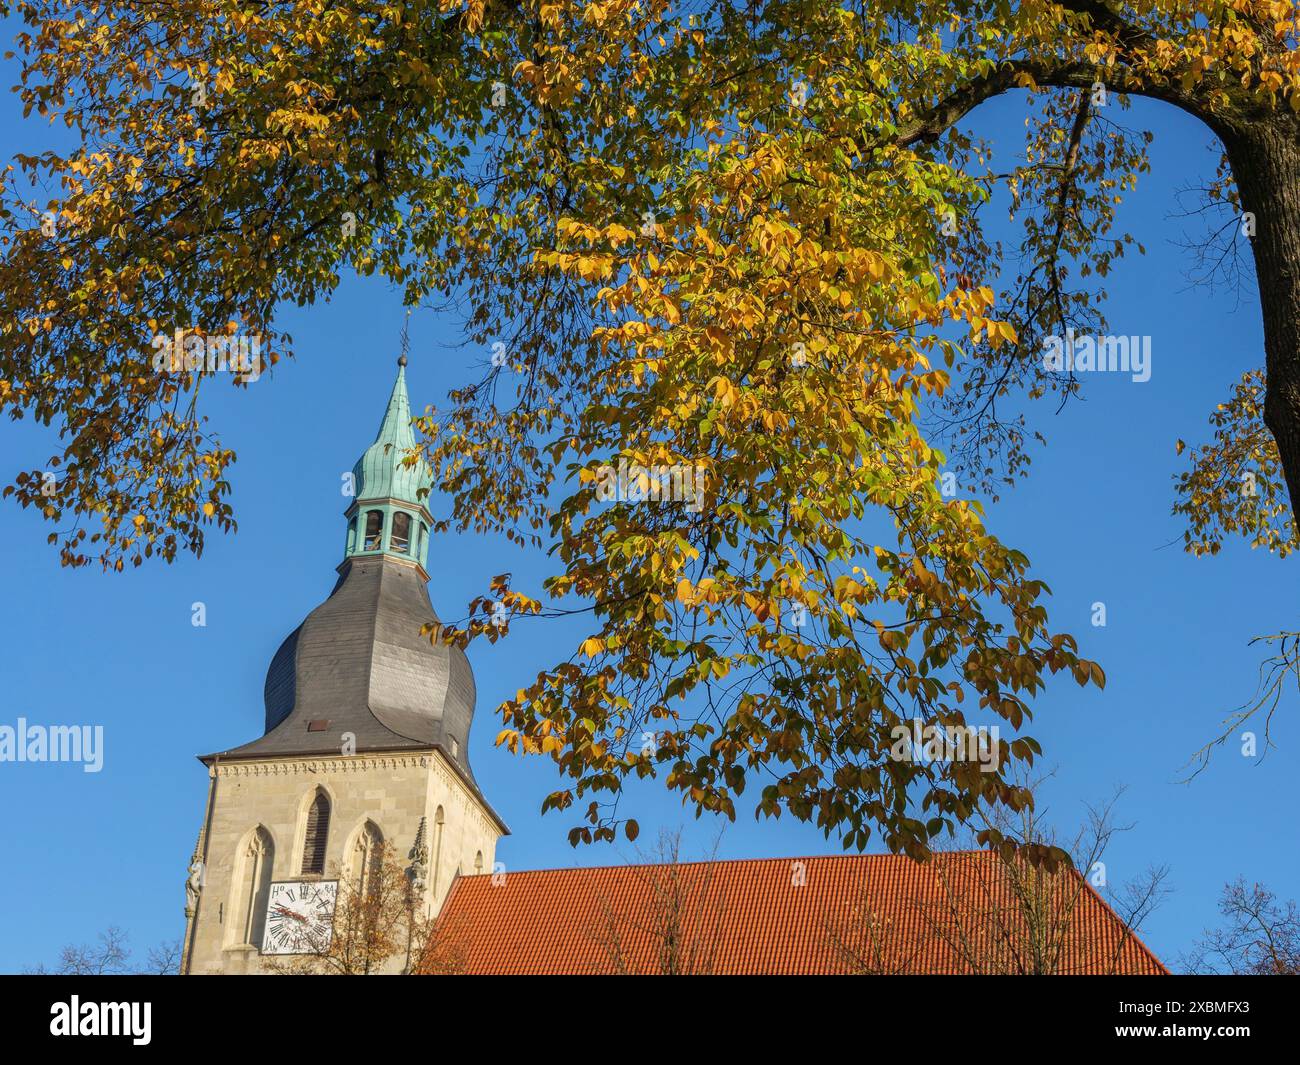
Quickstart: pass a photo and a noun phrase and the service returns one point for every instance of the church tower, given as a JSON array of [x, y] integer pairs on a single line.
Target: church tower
[[366, 741]]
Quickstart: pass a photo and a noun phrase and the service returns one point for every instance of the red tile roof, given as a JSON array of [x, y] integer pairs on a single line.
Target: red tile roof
[[863, 913]]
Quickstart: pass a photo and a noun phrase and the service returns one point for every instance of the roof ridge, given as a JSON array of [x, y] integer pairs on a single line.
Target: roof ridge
[[721, 861]]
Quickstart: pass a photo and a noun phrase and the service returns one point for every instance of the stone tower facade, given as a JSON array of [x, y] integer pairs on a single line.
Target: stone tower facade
[[366, 743]]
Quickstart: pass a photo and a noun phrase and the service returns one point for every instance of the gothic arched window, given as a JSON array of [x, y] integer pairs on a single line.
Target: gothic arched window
[[317, 835], [478, 862], [401, 537], [253, 888], [367, 858], [374, 530]]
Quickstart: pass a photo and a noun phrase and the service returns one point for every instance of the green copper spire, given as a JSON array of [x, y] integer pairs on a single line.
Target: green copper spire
[[390, 513], [380, 472]]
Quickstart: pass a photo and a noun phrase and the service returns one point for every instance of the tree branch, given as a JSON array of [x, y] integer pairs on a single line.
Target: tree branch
[[1019, 73], [1103, 17]]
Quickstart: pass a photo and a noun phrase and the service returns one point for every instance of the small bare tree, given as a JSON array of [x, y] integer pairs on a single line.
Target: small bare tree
[[111, 956], [445, 949], [869, 943], [164, 959], [1007, 911], [1261, 936], [377, 926], [678, 911], [1020, 918]]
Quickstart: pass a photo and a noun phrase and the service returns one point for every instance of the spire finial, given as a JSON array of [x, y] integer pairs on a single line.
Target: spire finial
[[406, 340]]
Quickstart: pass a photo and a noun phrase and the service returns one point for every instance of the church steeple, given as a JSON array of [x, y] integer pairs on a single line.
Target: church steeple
[[366, 740], [359, 662], [390, 513]]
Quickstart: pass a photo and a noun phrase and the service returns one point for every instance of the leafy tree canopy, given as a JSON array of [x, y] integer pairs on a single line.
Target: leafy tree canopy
[[738, 241]]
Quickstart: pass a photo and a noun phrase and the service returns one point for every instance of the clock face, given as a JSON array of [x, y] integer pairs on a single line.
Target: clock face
[[300, 916]]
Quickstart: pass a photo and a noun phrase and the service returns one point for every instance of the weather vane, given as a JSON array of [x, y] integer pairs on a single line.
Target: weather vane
[[406, 340]]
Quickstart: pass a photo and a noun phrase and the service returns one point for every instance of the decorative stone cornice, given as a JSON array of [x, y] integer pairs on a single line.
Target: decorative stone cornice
[[318, 764], [434, 760]]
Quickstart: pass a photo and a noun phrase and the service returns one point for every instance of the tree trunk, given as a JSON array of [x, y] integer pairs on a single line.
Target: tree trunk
[[1265, 157]]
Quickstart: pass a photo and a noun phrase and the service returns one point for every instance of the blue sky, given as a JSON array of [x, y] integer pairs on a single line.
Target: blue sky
[[85, 851]]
